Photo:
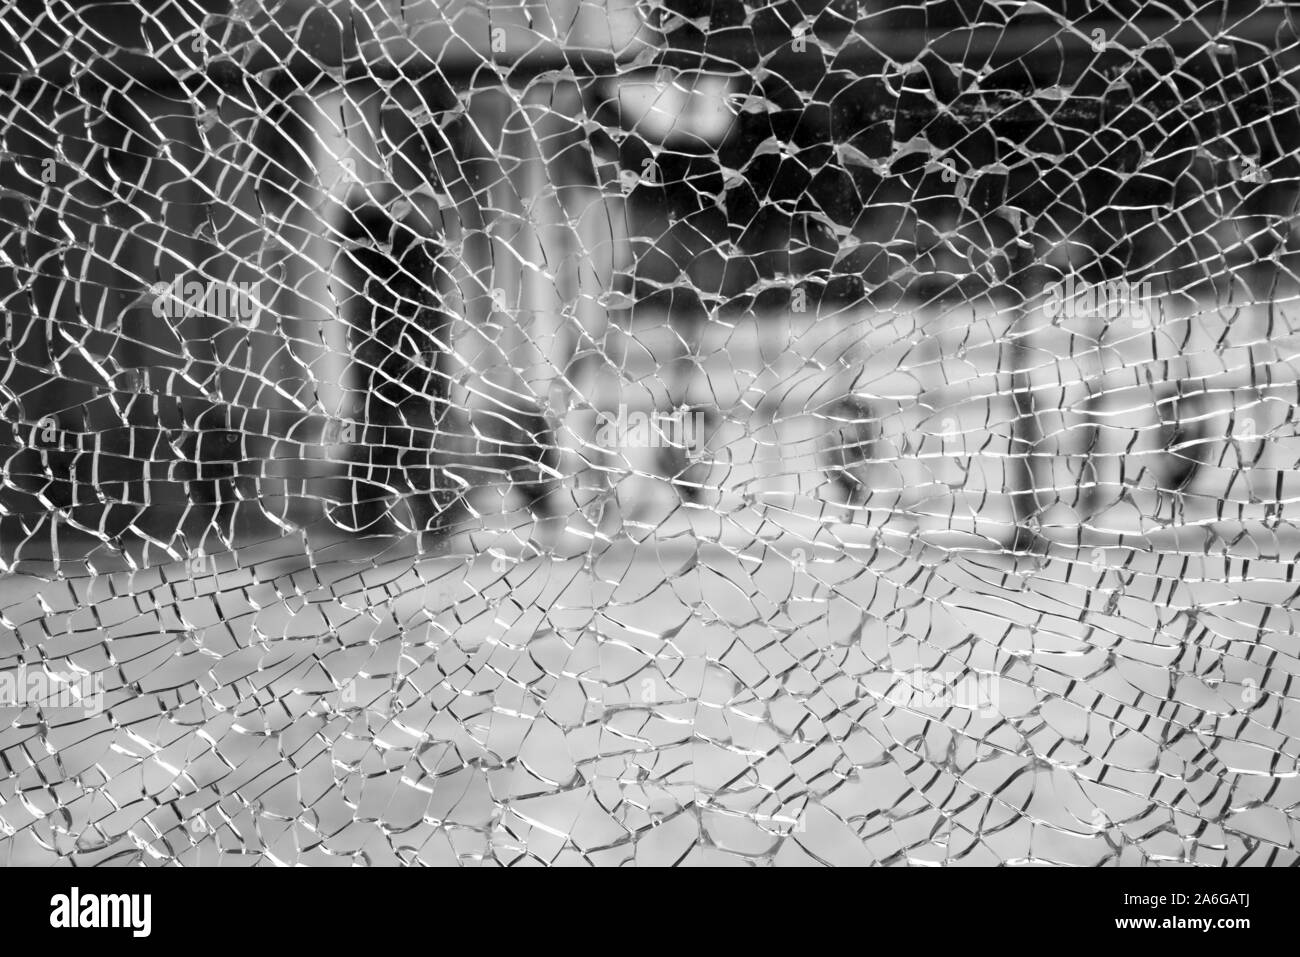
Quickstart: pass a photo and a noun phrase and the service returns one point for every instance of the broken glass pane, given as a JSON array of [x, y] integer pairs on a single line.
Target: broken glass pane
[[660, 432]]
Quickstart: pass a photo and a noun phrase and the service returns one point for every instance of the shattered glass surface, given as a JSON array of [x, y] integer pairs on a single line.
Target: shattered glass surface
[[695, 431]]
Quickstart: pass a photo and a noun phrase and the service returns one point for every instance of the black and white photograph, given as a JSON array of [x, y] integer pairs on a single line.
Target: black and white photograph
[[650, 433]]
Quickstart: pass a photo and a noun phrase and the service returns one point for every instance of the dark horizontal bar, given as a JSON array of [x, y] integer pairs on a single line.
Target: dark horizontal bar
[[319, 55]]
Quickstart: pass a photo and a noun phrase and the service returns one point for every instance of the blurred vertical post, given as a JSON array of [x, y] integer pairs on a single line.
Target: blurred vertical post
[[550, 239]]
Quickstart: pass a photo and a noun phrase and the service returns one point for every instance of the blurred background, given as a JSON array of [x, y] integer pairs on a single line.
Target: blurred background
[[364, 580]]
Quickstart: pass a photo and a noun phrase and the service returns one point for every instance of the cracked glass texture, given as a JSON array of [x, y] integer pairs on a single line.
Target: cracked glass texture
[[693, 432]]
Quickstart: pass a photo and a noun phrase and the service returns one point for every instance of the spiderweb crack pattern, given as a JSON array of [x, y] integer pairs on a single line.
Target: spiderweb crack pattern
[[695, 431]]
